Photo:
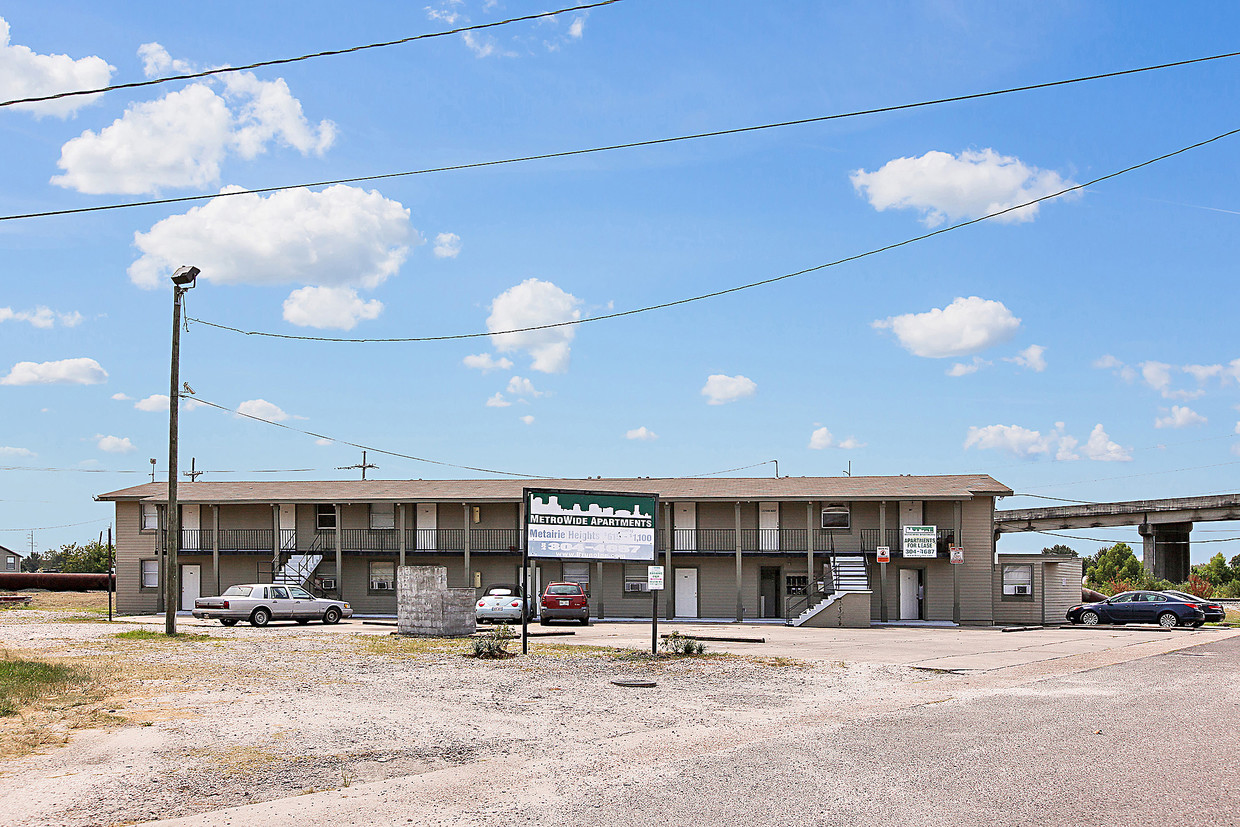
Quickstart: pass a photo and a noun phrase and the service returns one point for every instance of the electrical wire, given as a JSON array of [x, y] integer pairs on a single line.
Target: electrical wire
[[66, 525], [613, 147], [327, 53], [729, 290]]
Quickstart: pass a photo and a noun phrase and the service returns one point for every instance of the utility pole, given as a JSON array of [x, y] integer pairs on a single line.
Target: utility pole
[[152, 469], [193, 473], [182, 280], [364, 465]]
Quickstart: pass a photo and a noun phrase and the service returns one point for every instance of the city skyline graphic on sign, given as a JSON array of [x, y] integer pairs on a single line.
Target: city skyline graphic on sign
[[551, 505]]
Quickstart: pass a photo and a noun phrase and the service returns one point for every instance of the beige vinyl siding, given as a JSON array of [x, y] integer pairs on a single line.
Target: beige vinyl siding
[[1056, 588], [133, 546], [716, 515], [497, 515], [977, 572], [246, 516], [1061, 588]]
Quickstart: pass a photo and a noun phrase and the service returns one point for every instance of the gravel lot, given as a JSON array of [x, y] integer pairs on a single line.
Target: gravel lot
[[257, 714], [355, 723]]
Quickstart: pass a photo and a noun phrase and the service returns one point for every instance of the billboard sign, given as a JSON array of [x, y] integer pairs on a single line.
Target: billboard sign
[[921, 541], [590, 525]]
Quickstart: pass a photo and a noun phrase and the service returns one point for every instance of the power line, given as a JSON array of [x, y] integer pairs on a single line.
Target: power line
[[1146, 474], [313, 55], [737, 289], [67, 525], [613, 147]]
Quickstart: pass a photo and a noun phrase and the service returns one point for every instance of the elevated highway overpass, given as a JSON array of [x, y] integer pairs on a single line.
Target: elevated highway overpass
[[1164, 524]]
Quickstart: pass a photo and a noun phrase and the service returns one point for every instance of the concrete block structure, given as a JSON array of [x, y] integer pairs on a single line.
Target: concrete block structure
[[426, 607]]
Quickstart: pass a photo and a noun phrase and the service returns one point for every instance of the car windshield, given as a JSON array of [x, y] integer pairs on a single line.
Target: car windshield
[[564, 588], [501, 591], [237, 591]]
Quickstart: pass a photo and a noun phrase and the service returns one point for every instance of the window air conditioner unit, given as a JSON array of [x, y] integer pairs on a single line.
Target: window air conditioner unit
[[1020, 590], [327, 584], [381, 585], [635, 587]]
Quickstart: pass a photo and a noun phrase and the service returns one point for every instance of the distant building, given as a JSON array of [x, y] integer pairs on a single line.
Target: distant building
[[733, 548], [10, 560]]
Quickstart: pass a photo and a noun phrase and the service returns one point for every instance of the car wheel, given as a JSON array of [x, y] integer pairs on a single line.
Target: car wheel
[[1168, 620], [1197, 625], [260, 617], [228, 621], [542, 621], [1089, 618], [303, 620], [585, 621], [331, 616]]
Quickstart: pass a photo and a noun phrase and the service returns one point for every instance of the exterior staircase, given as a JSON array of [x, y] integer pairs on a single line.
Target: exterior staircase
[[848, 575], [297, 569]]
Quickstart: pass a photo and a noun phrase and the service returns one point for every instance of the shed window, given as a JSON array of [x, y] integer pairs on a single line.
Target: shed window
[[835, 515], [150, 517], [1018, 581], [382, 576], [325, 517], [382, 515], [10, 564], [150, 574]]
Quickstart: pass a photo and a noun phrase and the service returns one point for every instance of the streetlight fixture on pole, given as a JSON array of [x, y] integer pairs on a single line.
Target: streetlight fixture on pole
[[182, 280]]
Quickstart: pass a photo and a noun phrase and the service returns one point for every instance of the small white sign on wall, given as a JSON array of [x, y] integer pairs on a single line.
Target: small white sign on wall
[[921, 541], [654, 578]]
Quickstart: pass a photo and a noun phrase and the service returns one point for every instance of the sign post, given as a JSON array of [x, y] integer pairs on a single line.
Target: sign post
[[592, 525], [654, 582], [884, 557], [957, 553]]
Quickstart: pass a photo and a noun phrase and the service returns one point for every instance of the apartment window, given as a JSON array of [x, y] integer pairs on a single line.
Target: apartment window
[[796, 583], [578, 573], [10, 564], [636, 579], [382, 515], [150, 574], [836, 516], [150, 517], [325, 517], [1018, 582], [382, 576]]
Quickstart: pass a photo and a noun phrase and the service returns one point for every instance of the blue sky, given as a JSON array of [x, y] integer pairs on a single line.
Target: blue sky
[[1082, 350]]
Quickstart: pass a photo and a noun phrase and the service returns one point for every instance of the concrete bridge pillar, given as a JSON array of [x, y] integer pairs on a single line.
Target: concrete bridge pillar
[[1165, 550]]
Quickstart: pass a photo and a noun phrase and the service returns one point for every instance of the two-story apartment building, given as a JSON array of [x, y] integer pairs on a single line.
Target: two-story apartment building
[[733, 548]]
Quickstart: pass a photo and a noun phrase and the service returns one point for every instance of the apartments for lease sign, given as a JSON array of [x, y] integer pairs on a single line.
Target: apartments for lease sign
[[579, 525]]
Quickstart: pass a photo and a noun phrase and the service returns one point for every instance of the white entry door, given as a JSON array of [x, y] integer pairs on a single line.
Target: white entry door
[[686, 593], [910, 594], [191, 585]]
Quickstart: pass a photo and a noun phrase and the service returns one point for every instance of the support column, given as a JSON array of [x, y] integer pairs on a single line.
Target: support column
[[1165, 550], [339, 532], [598, 587], [215, 545], [469, 580], [809, 554], [669, 581], [740, 595], [275, 541], [956, 541], [400, 538], [882, 567]]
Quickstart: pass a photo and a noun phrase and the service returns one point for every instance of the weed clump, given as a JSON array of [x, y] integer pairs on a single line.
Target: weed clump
[[678, 644], [494, 645]]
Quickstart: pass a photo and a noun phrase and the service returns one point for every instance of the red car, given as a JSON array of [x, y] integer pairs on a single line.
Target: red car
[[564, 601]]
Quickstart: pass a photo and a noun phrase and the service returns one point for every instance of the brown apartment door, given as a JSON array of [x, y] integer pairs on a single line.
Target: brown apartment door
[[768, 591]]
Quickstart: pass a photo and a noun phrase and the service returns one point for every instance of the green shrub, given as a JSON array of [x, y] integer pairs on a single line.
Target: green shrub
[[494, 644], [679, 644]]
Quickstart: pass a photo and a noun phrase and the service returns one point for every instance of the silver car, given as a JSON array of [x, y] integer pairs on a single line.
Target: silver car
[[261, 603], [502, 604]]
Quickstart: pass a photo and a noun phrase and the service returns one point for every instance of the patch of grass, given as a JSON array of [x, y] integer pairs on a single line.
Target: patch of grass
[[147, 634], [22, 682], [401, 646]]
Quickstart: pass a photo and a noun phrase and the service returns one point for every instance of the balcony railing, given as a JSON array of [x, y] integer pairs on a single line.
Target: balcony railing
[[246, 539]]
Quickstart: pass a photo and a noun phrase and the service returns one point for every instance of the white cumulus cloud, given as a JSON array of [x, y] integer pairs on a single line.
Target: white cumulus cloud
[[1026, 442], [721, 389], [80, 371], [530, 304], [498, 401], [1100, 448], [153, 403], [447, 245], [822, 439], [341, 236], [339, 308], [114, 444], [528, 419], [520, 386], [41, 317], [946, 187], [181, 139], [966, 368], [10, 451], [262, 409], [1180, 416], [966, 326], [642, 434], [486, 363], [25, 73], [121, 397], [1031, 357], [1123, 371]]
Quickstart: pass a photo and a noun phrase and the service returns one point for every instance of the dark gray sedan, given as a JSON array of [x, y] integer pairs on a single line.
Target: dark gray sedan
[[1139, 607]]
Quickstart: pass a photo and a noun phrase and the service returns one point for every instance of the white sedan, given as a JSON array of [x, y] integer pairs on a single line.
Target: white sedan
[[261, 603]]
